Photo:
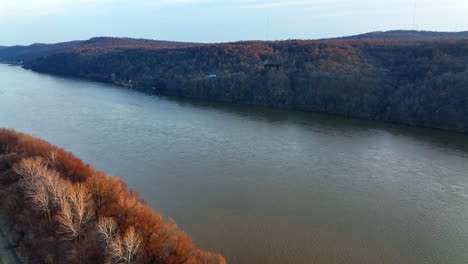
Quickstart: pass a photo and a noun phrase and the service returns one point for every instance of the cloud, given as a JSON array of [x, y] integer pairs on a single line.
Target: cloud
[[448, 11], [20, 9], [238, 4], [34, 8]]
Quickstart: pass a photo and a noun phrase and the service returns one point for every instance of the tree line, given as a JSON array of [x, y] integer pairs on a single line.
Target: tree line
[[60, 210]]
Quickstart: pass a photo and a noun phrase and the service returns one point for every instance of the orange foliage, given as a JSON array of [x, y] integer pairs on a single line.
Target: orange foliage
[[87, 216]]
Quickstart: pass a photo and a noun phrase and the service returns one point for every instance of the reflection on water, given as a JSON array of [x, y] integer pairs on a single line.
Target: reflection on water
[[261, 185]]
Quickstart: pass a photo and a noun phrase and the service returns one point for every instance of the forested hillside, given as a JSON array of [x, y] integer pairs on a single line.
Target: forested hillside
[[420, 80], [57, 209]]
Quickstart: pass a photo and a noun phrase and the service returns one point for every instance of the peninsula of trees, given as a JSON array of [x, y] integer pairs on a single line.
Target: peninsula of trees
[[57, 209], [410, 77]]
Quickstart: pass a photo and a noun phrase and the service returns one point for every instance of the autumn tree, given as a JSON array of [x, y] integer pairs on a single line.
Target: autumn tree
[[102, 188]]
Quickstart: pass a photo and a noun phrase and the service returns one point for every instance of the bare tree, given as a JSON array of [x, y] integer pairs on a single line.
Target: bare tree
[[75, 211], [42, 185], [30, 168], [40, 197], [117, 250], [106, 228], [133, 242], [124, 249], [67, 221], [46, 190]]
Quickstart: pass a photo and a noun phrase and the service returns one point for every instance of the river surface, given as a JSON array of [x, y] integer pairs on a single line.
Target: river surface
[[260, 185]]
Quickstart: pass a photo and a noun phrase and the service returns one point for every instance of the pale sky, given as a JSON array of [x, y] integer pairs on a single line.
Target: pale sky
[[49, 21]]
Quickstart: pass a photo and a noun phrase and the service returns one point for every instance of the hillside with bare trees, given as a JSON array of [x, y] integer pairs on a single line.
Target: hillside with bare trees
[[60, 210]]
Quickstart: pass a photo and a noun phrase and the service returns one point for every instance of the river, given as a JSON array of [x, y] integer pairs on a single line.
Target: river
[[261, 185]]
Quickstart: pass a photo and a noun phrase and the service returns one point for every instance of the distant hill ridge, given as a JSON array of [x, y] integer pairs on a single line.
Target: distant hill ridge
[[97, 44], [107, 44], [408, 35]]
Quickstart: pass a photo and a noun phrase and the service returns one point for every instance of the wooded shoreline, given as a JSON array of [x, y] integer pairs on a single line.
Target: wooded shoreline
[[411, 78]]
